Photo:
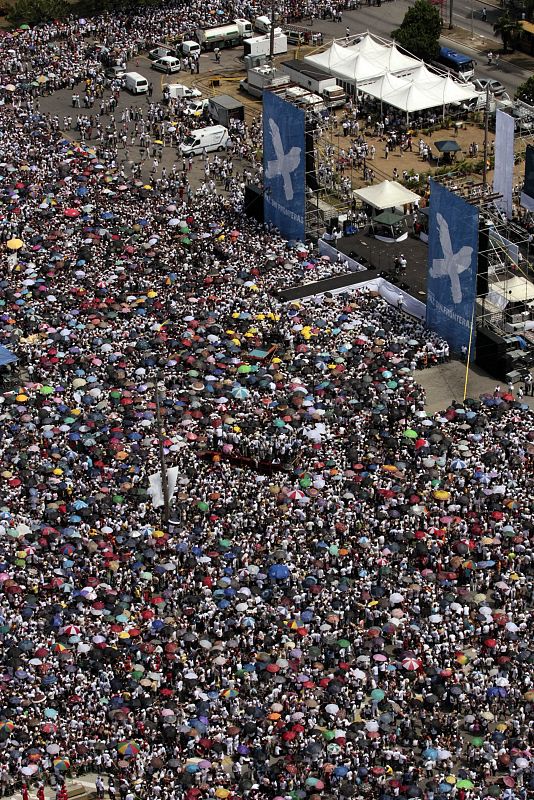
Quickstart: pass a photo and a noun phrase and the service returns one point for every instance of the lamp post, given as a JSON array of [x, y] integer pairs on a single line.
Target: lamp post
[[162, 463]]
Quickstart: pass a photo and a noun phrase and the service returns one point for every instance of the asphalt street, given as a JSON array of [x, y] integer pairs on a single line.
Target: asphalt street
[[382, 20]]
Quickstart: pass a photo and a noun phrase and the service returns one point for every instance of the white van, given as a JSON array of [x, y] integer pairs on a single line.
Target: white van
[[166, 64], [262, 24], [135, 83], [190, 48], [205, 140], [180, 90]]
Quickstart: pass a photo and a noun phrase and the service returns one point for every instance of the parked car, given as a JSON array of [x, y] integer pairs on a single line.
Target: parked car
[[197, 107], [496, 88], [160, 52], [116, 72], [167, 64]]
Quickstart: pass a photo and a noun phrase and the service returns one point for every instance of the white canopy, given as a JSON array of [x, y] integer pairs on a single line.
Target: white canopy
[[381, 70], [366, 59], [388, 194]]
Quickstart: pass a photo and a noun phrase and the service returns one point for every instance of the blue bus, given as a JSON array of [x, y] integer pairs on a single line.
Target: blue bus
[[461, 65]]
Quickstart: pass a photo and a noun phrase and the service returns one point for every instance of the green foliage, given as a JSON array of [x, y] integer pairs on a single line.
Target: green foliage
[[31, 12], [508, 29], [525, 92], [420, 31]]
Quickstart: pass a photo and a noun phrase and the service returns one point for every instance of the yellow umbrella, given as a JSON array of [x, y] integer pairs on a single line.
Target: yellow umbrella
[[21, 398], [41, 79], [221, 792], [15, 244], [441, 495]]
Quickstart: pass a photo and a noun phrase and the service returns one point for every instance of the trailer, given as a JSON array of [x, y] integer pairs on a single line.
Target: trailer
[[317, 81], [223, 109], [261, 79], [224, 35], [261, 45]]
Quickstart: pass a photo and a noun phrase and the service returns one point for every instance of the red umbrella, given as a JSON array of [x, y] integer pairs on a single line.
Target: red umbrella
[[71, 212]]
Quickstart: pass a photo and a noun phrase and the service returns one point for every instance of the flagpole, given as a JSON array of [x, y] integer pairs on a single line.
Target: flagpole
[[163, 465], [469, 348]]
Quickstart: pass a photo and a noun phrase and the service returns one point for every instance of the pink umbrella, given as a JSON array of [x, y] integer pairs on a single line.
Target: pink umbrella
[[411, 664]]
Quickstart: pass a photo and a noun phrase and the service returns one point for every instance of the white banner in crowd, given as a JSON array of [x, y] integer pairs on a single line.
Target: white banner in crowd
[[155, 486], [503, 178]]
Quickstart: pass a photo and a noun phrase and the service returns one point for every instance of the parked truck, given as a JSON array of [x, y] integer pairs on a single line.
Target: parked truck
[[316, 81], [261, 79], [261, 45], [224, 35], [223, 109]]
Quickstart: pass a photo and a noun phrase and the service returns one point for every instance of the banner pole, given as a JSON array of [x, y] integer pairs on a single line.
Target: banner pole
[[469, 348]]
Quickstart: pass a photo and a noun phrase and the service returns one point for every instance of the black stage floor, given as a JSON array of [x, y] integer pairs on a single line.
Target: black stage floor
[[381, 257]]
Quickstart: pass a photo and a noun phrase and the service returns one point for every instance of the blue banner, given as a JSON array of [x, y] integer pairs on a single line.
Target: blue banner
[[452, 266], [284, 160]]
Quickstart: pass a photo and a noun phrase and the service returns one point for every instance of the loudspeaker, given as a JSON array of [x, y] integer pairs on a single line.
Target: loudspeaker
[[311, 174], [483, 263], [254, 203], [491, 350]]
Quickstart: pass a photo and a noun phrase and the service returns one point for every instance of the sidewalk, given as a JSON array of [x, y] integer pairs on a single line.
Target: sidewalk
[[445, 383], [78, 788], [483, 44]]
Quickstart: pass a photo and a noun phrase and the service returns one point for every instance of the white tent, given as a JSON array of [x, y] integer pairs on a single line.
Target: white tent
[[381, 70], [388, 194], [364, 60]]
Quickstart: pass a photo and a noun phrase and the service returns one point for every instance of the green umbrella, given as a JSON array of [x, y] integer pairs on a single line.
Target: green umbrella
[[118, 498], [392, 384], [225, 542], [378, 694], [329, 735], [333, 550], [46, 390], [305, 481], [203, 506], [409, 433], [477, 741], [465, 784], [24, 27], [343, 643], [146, 576], [244, 368]]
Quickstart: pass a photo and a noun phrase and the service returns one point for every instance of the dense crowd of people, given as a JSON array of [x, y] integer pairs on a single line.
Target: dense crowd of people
[[340, 603]]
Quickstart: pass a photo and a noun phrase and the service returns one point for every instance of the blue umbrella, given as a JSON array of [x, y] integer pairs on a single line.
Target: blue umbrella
[[279, 572], [239, 392]]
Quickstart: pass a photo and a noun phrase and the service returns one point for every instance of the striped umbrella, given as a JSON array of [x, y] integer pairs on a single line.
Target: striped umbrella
[[6, 726], [128, 748]]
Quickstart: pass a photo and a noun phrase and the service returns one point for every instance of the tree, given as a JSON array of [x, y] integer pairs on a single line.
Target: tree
[[507, 28], [525, 92], [32, 12], [420, 30]]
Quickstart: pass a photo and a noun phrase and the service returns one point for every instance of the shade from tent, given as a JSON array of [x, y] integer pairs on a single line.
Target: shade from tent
[[388, 194], [388, 218], [6, 357], [447, 146]]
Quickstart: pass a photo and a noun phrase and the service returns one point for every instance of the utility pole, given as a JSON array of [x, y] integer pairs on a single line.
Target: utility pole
[[271, 32], [450, 14], [162, 463], [486, 122]]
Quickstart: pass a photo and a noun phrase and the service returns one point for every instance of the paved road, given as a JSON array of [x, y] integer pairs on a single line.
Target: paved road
[[384, 19]]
